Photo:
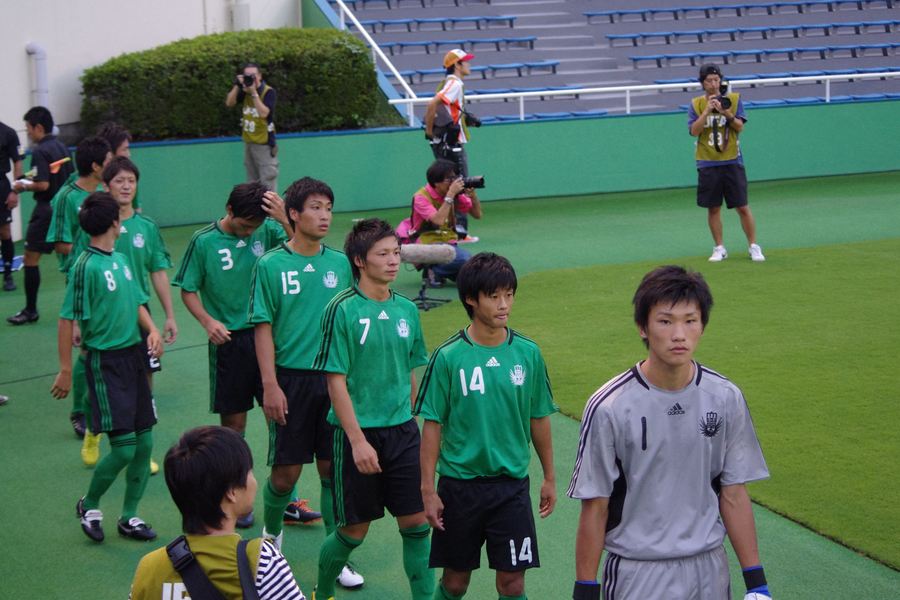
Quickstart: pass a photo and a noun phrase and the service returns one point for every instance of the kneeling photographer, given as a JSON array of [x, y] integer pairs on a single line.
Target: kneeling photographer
[[433, 214]]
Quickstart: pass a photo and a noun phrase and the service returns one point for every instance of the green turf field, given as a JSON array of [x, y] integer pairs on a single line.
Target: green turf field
[[810, 336]]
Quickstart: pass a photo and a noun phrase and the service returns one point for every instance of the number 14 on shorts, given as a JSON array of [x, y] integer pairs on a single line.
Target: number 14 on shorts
[[524, 553]]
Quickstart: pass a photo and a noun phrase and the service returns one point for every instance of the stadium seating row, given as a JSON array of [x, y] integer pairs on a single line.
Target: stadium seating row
[[813, 100], [520, 68], [445, 23], [784, 74], [470, 44], [739, 10], [821, 52], [764, 32]]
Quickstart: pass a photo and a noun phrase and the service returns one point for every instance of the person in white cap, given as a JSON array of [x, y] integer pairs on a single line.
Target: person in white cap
[[446, 121]]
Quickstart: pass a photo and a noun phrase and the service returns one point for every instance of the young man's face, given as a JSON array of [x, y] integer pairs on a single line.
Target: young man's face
[[463, 68], [382, 261], [492, 310], [442, 187], [35, 132], [98, 169], [315, 220], [124, 149], [673, 332], [123, 187], [243, 227], [254, 73], [711, 84]]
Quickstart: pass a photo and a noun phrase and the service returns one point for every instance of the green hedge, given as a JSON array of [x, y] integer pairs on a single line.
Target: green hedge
[[324, 79]]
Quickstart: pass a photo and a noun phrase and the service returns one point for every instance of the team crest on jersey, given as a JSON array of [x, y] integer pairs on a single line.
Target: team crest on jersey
[[258, 249], [711, 425], [127, 272], [403, 328], [330, 279], [517, 375], [138, 240], [493, 362]]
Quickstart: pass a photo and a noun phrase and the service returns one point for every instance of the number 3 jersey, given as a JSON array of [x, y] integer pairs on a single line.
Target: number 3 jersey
[[376, 345], [103, 295], [484, 397], [291, 291], [219, 266], [661, 457]]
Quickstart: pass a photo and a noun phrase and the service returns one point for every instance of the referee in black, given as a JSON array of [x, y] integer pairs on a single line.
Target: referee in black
[[10, 156]]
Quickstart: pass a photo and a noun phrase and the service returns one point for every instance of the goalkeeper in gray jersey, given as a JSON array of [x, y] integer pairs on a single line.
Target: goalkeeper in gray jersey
[[665, 450]]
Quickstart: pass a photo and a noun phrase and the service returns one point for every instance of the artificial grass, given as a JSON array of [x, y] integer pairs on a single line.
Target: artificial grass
[[811, 336]]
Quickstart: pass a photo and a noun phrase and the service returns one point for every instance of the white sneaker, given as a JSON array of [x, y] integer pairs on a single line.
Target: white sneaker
[[350, 579], [756, 254], [720, 253], [275, 539]]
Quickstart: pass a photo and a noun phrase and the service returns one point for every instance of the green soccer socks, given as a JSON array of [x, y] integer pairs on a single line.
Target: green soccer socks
[[274, 503], [333, 556], [416, 548], [137, 473]]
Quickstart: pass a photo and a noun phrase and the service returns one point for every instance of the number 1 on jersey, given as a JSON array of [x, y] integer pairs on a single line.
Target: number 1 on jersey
[[476, 383]]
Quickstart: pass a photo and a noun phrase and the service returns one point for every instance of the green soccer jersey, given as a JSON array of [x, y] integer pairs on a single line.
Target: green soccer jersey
[[291, 291], [484, 398], [376, 345], [104, 297], [64, 227], [219, 266]]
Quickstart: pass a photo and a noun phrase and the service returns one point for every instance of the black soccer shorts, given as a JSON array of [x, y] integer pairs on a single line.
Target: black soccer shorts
[[307, 434], [118, 390], [728, 182], [234, 379]]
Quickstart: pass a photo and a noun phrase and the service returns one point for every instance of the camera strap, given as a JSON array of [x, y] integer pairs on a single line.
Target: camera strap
[[726, 137]]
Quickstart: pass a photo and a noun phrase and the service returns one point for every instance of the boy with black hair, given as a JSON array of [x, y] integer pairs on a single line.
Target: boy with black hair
[[372, 341], [11, 156], [102, 295], [119, 140], [209, 473], [485, 398], [679, 438], [49, 162], [292, 285], [214, 278], [141, 243]]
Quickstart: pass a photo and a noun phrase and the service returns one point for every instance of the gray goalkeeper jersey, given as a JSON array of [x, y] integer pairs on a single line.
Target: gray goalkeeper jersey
[[660, 457]]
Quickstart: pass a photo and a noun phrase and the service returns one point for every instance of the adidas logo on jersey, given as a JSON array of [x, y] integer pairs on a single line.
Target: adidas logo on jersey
[[240, 244], [122, 229], [383, 316], [309, 268], [492, 363], [675, 410]]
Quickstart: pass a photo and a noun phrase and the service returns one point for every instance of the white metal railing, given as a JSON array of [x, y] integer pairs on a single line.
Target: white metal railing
[[343, 13], [628, 89]]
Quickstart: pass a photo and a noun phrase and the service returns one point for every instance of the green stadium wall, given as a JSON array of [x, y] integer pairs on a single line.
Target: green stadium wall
[[189, 181]]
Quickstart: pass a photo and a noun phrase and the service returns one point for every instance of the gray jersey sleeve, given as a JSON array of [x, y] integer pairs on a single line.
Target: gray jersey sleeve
[[743, 456], [595, 466]]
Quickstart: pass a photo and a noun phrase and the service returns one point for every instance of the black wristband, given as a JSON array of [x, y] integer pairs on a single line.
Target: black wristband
[[586, 591], [754, 578]]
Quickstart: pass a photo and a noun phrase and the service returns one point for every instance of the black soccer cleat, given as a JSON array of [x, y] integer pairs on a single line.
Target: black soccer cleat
[[299, 513], [136, 529], [23, 316], [90, 521], [78, 424], [8, 284], [245, 522]]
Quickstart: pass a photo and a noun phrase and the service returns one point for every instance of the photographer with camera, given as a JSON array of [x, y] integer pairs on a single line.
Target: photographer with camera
[[257, 100], [434, 210], [447, 122], [716, 119]]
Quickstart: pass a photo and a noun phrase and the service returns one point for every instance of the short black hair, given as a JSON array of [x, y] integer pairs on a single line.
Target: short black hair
[[98, 213], [246, 201], [670, 285], [297, 193], [440, 170], [115, 134], [89, 151], [40, 115], [252, 64], [200, 468], [486, 273], [362, 237], [707, 70], [117, 165]]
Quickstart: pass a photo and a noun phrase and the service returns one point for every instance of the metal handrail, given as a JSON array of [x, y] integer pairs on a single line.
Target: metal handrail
[[628, 89], [378, 53]]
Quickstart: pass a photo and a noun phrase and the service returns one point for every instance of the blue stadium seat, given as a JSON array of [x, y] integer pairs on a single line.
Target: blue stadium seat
[[821, 51], [698, 33], [665, 35], [525, 40], [516, 66], [803, 100], [589, 113], [772, 102], [763, 31], [868, 96], [492, 41], [731, 32], [552, 115], [541, 65], [632, 37]]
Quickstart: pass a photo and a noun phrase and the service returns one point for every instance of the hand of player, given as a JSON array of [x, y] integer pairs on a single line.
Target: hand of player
[[217, 333], [12, 200], [61, 385], [434, 509], [274, 207], [170, 331], [76, 334], [275, 404], [155, 344], [548, 498], [365, 458]]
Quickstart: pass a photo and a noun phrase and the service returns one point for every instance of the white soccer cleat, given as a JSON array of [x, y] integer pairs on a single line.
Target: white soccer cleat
[[275, 539], [350, 579], [719, 254], [756, 254]]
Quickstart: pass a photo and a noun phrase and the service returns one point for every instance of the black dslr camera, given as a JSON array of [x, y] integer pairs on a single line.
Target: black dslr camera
[[245, 80], [476, 182], [724, 100]]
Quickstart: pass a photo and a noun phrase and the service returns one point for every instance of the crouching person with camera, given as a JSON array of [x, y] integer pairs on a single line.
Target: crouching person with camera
[[716, 119], [257, 100], [434, 213]]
